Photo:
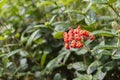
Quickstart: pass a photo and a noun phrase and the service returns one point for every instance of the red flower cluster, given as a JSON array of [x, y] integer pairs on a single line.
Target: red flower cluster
[[74, 37]]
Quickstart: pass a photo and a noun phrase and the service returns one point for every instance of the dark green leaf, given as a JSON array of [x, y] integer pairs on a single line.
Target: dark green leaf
[[108, 66]]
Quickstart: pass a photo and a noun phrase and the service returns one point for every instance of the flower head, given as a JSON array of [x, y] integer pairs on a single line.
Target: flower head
[[74, 37]]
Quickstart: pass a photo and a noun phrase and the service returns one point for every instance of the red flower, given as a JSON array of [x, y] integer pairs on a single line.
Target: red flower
[[74, 37], [92, 37], [79, 44], [67, 45]]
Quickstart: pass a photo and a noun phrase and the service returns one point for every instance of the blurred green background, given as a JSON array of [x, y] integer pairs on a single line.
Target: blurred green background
[[31, 40]]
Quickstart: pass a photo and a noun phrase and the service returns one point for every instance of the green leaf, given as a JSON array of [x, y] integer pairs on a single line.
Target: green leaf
[[52, 19], [84, 77], [112, 1], [104, 47], [93, 66], [73, 11], [57, 76], [66, 58], [99, 75], [108, 66], [83, 50], [29, 42], [2, 38], [116, 56], [90, 17], [99, 1], [61, 26], [43, 59], [78, 66], [58, 35], [13, 52], [55, 62], [104, 33]]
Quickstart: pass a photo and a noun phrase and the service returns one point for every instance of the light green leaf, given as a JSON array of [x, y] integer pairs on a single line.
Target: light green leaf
[[112, 1], [58, 35], [84, 77], [43, 59], [99, 1], [52, 19], [104, 33], [2, 38], [73, 11]]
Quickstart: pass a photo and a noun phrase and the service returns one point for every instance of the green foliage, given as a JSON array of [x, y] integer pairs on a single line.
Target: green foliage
[[31, 40]]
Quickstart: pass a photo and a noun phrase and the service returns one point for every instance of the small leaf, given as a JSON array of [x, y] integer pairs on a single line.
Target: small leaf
[[58, 35], [57, 76], [52, 19], [43, 59], [2, 38]]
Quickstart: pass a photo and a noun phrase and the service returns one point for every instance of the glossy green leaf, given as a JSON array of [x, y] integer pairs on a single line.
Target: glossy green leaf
[[90, 17], [93, 66], [78, 66]]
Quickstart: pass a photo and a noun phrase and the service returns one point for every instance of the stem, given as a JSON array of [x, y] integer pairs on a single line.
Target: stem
[[84, 60], [111, 6], [87, 48]]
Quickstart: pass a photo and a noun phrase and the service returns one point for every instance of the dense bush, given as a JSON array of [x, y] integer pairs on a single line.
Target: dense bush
[[32, 46]]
